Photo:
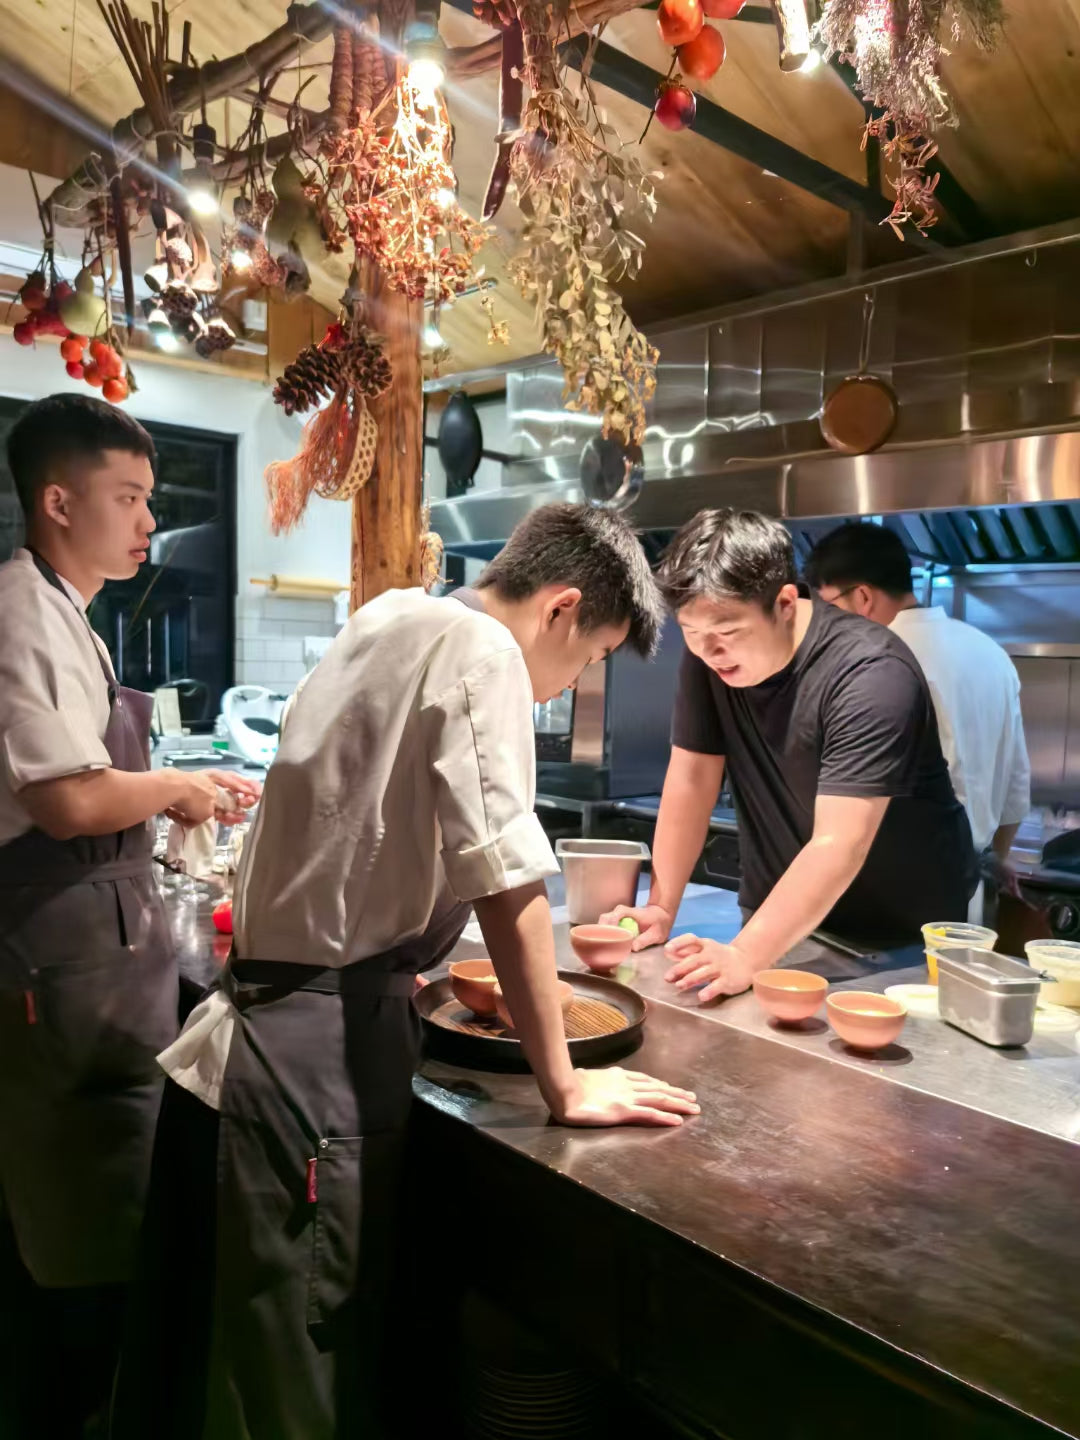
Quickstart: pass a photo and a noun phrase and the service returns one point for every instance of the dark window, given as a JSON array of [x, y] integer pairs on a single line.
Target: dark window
[[173, 623]]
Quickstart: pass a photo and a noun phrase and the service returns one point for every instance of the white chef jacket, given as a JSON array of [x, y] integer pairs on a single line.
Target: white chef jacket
[[406, 769], [54, 702], [976, 694]]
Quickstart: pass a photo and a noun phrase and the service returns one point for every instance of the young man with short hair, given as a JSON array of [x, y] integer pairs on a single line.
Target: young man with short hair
[[865, 569], [825, 729], [88, 984], [402, 794]]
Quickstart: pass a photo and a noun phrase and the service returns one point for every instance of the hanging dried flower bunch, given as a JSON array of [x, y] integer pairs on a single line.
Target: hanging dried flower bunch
[[576, 187], [896, 47], [431, 552]]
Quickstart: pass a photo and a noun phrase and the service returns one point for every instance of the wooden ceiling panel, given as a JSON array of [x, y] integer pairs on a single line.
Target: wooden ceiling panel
[[725, 228]]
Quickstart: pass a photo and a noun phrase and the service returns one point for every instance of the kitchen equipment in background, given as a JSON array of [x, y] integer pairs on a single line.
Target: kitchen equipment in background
[[461, 443], [251, 717], [611, 473], [599, 875], [860, 414], [611, 737], [991, 996]]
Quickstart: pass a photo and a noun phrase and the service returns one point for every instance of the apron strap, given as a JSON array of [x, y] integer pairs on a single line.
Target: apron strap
[[54, 580], [248, 982]]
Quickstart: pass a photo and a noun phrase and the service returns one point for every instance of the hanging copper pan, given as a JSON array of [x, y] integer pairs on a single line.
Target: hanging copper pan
[[860, 413]]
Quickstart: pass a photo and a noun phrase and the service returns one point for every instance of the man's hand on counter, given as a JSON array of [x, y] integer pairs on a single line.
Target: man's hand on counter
[[722, 969], [625, 1097], [653, 921]]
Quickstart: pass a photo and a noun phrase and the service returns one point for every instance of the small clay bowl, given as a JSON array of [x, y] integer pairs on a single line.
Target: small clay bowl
[[790, 995], [601, 947], [865, 1021], [566, 999], [473, 983]]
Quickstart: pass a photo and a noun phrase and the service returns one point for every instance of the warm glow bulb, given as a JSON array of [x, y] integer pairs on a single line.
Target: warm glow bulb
[[166, 340], [203, 202], [432, 339], [812, 61], [240, 261], [425, 75]]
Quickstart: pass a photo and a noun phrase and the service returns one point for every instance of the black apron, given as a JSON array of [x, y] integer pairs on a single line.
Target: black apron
[[88, 997], [264, 1318]]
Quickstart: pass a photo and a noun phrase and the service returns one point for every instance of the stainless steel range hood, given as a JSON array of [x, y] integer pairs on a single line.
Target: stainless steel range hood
[[982, 349]]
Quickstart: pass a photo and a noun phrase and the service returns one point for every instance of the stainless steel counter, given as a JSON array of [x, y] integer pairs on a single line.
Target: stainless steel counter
[[926, 1196]]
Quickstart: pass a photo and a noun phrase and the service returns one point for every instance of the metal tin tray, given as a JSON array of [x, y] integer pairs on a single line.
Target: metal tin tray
[[500, 1050]]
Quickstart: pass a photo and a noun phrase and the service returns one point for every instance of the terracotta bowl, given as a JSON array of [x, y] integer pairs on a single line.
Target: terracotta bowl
[[473, 983], [566, 999], [790, 995], [865, 1021], [601, 947]]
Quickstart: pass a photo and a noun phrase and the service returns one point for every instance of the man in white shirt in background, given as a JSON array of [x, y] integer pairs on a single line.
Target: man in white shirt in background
[[401, 795], [864, 568]]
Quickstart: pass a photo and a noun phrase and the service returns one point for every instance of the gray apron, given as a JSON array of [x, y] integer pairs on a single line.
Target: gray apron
[[88, 997]]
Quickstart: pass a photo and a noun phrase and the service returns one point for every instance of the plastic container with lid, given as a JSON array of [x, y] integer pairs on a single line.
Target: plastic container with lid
[[939, 933], [1060, 959]]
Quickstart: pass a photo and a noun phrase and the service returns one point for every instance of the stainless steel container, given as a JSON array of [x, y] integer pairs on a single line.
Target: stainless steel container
[[991, 996], [600, 874]]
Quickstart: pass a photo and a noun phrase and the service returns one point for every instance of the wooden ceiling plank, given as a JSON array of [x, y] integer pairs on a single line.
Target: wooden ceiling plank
[[638, 82]]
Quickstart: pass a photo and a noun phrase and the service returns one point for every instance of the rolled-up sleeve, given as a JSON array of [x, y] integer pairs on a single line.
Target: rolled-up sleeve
[[47, 726], [481, 750]]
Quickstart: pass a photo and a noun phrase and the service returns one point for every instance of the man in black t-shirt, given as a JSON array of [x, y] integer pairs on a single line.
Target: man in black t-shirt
[[846, 815]]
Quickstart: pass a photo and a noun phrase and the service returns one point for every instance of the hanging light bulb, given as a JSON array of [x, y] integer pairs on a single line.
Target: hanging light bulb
[[157, 322], [202, 193], [426, 57], [167, 341], [239, 260], [431, 339], [812, 61]]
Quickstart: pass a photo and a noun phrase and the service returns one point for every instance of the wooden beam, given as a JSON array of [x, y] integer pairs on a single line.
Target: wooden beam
[[35, 133], [191, 88], [636, 81]]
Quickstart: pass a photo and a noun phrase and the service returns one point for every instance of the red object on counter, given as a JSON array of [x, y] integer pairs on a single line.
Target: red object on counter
[[222, 917]]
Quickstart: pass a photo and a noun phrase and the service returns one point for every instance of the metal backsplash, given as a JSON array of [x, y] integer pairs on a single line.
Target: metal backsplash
[[983, 351]]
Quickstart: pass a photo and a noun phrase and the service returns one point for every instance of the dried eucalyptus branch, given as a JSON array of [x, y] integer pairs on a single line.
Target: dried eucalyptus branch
[[576, 184]]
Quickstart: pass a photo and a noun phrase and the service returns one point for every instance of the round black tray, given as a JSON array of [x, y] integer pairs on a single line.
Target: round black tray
[[503, 1052]]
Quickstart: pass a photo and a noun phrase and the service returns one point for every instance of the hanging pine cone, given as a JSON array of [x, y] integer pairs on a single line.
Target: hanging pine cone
[[365, 366], [313, 375]]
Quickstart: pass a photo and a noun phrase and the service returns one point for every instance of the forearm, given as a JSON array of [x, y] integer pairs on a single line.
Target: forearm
[[1004, 837], [682, 827], [517, 930], [101, 802], [802, 897]]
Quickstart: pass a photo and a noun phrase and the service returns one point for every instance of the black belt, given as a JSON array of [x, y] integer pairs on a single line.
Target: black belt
[[243, 980], [59, 871]]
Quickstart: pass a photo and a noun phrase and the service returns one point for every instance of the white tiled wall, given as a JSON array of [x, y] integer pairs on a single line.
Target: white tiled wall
[[270, 636]]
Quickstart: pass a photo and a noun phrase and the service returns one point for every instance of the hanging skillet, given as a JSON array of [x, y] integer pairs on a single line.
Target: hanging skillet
[[860, 414]]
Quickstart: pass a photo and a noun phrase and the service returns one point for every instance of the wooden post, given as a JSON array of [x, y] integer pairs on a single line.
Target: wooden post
[[386, 513]]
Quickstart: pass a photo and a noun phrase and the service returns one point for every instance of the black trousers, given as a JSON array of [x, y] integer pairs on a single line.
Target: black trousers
[[58, 1352], [260, 1309]]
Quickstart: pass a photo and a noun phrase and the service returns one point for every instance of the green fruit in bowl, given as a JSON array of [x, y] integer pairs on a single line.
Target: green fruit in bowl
[[630, 925]]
